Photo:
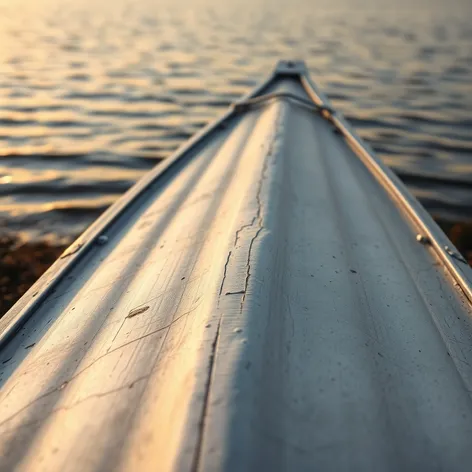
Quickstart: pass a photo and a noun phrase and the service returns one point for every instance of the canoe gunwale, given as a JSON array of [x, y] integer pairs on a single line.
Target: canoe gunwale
[[21, 312]]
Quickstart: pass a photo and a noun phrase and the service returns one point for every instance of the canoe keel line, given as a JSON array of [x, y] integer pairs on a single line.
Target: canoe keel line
[[270, 298]]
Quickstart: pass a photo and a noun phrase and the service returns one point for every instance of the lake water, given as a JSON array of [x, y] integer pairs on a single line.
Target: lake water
[[95, 93]]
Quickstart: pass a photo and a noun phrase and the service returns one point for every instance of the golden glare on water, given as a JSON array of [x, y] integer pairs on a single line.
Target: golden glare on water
[[93, 94]]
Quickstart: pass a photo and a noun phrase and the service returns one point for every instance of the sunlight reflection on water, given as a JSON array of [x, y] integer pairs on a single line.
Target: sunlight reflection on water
[[93, 94]]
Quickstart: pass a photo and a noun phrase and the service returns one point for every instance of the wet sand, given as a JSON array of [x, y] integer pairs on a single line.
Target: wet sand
[[22, 264]]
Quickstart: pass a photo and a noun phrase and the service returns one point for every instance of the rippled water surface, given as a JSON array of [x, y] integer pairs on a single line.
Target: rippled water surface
[[94, 93]]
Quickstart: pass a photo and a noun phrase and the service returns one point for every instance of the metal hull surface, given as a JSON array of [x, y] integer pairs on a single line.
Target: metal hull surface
[[258, 302]]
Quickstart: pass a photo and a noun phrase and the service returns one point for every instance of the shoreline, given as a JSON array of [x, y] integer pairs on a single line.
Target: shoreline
[[21, 264]]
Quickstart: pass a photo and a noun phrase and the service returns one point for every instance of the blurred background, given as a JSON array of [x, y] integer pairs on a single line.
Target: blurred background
[[95, 93]]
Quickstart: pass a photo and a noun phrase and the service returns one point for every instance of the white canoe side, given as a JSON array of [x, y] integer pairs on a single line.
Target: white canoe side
[[258, 302]]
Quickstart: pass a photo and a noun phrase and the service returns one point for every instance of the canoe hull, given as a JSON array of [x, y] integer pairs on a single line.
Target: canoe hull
[[261, 303]]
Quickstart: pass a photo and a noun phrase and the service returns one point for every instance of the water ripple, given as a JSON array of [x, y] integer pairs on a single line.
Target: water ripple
[[93, 94]]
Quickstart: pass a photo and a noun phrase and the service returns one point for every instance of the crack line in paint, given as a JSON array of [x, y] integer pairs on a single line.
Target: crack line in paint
[[201, 426], [224, 273], [256, 220]]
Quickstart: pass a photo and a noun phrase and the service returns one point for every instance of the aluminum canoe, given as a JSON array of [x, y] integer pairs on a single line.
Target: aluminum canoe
[[271, 298]]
